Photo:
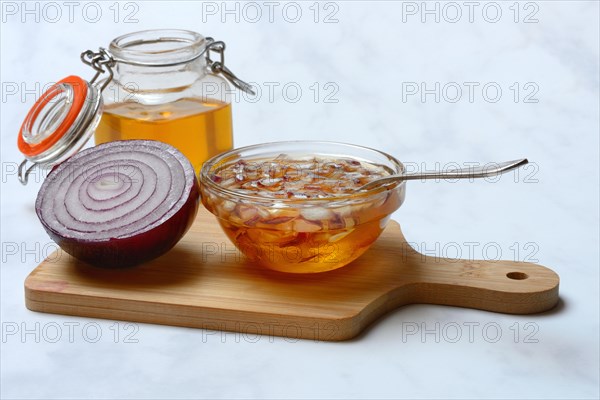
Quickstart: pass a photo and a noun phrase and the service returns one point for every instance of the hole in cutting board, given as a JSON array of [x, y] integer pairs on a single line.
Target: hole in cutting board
[[517, 275]]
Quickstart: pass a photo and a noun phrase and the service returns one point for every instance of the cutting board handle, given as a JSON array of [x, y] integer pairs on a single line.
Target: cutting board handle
[[501, 286]]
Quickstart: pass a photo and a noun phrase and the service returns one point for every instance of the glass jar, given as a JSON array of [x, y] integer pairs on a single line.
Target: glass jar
[[155, 84], [162, 89]]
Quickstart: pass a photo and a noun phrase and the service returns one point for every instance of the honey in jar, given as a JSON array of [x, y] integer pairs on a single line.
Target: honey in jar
[[199, 129]]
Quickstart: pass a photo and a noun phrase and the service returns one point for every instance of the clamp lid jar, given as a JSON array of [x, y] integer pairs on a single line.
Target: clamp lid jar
[[156, 84]]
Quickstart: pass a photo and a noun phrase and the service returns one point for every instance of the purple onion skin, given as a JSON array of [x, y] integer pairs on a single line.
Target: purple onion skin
[[133, 250]]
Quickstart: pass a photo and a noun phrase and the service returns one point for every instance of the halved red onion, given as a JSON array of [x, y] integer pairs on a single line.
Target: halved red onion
[[120, 203]]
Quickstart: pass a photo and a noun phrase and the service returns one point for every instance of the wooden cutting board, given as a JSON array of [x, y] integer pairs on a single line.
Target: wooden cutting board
[[205, 283]]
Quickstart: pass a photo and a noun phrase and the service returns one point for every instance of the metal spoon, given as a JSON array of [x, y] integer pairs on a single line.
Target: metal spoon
[[462, 173]]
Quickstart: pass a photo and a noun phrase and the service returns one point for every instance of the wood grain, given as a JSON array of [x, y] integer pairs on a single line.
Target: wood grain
[[204, 282]]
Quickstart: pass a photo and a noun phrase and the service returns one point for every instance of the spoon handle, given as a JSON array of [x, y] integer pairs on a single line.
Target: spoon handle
[[461, 173]]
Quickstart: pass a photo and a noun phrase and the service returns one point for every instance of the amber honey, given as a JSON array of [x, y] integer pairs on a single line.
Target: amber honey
[[303, 252], [296, 236], [199, 129]]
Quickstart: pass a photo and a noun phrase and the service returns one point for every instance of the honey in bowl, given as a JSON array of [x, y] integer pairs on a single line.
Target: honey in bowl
[[199, 129], [299, 214]]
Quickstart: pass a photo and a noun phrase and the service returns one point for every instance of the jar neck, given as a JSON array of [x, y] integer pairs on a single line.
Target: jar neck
[[154, 77], [174, 55], [158, 47]]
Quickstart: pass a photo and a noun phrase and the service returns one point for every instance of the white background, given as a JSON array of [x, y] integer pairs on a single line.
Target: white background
[[372, 53]]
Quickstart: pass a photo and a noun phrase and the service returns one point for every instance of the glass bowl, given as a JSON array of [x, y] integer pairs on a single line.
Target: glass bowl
[[300, 235]]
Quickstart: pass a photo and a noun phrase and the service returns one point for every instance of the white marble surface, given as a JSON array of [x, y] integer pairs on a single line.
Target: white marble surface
[[373, 55]]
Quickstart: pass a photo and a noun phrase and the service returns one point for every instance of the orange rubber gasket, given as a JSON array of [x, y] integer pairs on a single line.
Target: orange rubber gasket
[[79, 94]]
